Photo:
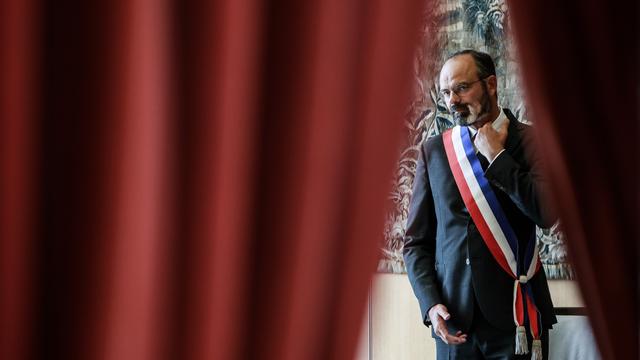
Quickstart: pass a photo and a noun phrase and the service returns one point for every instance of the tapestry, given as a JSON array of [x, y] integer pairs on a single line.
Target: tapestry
[[458, 24]]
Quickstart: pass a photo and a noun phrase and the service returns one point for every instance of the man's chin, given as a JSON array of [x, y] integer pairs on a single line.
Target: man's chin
[[480, 121], [472, 120], [464, 120]]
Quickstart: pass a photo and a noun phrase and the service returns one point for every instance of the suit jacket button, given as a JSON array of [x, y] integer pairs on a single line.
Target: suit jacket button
[[466, 261]]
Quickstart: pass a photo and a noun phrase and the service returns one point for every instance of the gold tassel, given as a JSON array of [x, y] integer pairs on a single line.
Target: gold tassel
[[521, 341], [536, 350]]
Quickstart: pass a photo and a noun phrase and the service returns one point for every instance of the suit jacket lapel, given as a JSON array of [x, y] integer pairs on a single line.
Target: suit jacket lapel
[[513, 136]]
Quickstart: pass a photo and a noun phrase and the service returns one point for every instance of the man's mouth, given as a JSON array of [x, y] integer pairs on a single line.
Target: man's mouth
[[462, 111], [460, 108]]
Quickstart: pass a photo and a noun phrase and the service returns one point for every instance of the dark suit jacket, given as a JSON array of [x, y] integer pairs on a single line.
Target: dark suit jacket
[[446, 258]]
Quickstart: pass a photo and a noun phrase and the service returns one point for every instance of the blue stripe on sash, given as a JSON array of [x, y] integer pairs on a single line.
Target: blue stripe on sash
[[488, 192]]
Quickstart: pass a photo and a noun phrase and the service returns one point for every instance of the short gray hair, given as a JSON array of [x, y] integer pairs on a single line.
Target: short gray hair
[[484, 63]]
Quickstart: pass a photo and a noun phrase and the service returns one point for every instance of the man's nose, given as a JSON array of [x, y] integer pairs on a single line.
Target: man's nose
[[454, 99]]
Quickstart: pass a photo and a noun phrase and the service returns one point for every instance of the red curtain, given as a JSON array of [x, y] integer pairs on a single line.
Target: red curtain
[[580, 70], [195, 179]]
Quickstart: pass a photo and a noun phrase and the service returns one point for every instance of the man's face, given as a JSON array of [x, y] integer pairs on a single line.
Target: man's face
[[466, 96]]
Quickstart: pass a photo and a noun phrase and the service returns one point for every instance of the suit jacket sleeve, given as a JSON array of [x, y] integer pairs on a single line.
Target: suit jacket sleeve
[[420, 241], [524, 184]]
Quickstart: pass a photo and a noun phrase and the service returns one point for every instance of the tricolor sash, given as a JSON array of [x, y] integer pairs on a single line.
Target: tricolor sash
[[492, 223]]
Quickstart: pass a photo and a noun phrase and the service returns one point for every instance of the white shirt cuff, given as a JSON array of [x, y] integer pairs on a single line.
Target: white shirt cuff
[[494, 159]]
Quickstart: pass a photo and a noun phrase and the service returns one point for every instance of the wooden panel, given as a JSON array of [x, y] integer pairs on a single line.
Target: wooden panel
[[565, 293], [397, 331]]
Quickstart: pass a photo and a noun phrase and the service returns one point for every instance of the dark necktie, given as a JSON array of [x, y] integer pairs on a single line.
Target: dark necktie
[[483, 161]]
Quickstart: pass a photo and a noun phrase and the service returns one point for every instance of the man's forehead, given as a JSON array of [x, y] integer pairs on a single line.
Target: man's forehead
[[459, 68]]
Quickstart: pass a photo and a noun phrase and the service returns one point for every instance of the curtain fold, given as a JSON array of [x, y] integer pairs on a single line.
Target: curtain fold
[[196, 179], [579, 61], [18, 54]]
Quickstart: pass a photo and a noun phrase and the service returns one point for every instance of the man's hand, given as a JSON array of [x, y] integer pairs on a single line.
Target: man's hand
[[490, 142], [438, 315]]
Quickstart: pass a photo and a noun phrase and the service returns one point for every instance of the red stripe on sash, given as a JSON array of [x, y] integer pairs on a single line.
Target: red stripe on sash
[[533, 318], [474, 211], [519, 305]]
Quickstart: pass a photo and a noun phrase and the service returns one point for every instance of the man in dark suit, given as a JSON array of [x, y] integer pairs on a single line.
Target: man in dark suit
[[464, 294]]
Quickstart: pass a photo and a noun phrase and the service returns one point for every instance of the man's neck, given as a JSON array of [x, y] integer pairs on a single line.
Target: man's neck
[[491, 117]]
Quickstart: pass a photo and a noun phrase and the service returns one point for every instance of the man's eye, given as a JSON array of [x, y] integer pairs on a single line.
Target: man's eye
[[462, 87], [444, 92]]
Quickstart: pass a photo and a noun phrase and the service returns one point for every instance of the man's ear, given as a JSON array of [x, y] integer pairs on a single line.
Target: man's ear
[[492, 84]]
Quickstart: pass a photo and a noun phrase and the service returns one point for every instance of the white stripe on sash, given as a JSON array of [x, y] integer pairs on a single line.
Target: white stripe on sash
[[481, 201]]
